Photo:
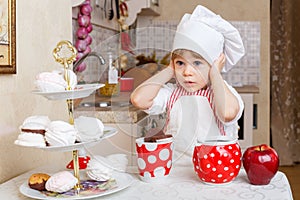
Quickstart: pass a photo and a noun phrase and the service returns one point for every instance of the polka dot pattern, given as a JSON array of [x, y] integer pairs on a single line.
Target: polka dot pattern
[[217, 164], [154, 159]]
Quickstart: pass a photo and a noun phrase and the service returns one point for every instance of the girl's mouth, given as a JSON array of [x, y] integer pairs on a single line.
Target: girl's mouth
[[189, 83]]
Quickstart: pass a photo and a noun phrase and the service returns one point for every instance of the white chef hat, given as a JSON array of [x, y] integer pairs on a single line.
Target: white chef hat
[[209, 35]]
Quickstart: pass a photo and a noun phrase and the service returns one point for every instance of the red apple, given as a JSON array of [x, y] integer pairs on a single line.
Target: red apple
[[261, 164]]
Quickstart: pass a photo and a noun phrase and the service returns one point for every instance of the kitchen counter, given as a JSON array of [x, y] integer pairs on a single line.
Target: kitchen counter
[[115, 109]]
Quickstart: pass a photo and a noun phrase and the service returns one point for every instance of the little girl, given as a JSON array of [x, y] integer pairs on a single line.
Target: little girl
[[201, 105]]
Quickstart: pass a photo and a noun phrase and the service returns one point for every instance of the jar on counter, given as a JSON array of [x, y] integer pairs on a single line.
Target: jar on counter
[[110, 77]]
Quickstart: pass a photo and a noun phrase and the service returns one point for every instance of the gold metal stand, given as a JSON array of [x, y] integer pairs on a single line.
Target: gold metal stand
[[65, 54]]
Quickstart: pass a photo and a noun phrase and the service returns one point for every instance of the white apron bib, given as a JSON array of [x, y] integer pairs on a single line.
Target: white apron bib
[[190, 118]]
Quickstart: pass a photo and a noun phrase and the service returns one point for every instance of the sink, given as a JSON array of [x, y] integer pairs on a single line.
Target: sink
[[105, 104], [95, 104]]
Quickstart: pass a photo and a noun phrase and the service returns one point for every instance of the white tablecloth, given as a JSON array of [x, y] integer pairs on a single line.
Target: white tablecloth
[[182, 184]]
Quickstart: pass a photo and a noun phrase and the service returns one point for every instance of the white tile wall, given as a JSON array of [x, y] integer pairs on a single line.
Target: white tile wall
[[153, 35], [246, 71]]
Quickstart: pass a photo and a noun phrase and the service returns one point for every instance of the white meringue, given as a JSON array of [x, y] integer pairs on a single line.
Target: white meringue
[[61, 182], [50, 82], [32, 131], [31, 140], [99, 169], [89, 128], [36, 122], [98, 175], [55, 81], [60, 133]]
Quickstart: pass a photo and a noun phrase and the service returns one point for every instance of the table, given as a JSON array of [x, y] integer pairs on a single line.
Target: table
[[181, 184]]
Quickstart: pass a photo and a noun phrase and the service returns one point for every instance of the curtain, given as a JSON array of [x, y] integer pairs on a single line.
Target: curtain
[[285, 80]]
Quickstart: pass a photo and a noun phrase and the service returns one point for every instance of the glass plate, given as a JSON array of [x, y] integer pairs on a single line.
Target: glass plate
[[81, 92], [123, 180], [108, 132]]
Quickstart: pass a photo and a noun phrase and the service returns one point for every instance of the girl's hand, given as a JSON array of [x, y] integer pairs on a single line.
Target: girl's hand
[[220, 62], [217, 66]]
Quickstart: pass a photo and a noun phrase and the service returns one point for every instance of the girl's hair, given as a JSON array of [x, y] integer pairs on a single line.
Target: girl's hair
[[180, 52]]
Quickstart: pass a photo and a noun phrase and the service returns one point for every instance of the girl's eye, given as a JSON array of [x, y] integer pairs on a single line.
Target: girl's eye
[[179, 63], [197, 63]]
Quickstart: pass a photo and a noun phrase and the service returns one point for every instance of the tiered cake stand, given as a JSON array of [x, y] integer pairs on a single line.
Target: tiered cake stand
[[65, 54]]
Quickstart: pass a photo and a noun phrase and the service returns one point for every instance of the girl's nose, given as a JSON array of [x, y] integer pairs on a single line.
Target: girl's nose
[[188, 70]]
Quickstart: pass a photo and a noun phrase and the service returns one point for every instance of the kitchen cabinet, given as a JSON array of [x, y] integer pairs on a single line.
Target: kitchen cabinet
[[246, 122], [142, 7]]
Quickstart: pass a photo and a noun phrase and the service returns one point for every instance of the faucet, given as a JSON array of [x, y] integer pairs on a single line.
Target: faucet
[[97, 55], [79, 61]]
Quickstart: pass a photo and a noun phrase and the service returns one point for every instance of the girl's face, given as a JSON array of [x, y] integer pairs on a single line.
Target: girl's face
[[191, 70]]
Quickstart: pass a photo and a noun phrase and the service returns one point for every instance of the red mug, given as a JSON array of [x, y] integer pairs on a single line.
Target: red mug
[[154, 160], [217, 161]]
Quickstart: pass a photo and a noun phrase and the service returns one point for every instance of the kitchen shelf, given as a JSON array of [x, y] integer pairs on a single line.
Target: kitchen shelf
[[247, 89]]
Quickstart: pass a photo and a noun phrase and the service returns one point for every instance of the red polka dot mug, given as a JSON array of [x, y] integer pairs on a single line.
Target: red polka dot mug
[[154, 160], [217, 161]]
